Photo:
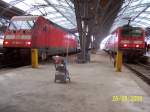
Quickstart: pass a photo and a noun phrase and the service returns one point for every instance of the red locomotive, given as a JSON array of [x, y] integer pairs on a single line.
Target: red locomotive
[[25, 32], [128, 39]]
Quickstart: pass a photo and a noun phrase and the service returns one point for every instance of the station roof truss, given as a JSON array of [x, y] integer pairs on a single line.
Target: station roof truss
[[97, 14], [61, 12], [137, 11]]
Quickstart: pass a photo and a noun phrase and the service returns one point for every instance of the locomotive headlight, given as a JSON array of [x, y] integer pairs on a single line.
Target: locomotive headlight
[[28, 43], [137, 46], [6, 42], [125, 45]]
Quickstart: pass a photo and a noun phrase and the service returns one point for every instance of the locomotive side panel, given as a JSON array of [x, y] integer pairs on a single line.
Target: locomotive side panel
[[40, 34], [113, 41], [52, 38]]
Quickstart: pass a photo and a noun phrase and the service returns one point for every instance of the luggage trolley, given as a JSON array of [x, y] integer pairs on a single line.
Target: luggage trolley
[[61, 73]]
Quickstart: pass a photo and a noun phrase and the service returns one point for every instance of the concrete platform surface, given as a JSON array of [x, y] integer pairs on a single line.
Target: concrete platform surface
[[94, 87]]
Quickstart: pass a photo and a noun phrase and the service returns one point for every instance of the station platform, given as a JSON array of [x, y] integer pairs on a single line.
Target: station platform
[[148, 55], [94, 87]]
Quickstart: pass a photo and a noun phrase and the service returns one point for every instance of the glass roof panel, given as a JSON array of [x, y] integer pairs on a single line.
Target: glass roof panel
[[25, 7], [50, 9], [58, 20], [144, 15], [36, 12], [138, 24], [144, 20], [148, 9], [29, 2], [52, 16], [144, 1], [55, 2]]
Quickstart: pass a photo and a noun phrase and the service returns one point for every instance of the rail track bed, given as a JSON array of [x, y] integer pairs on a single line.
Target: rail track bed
[[141, 70], [11, 65], [15, 63], [4, 63]]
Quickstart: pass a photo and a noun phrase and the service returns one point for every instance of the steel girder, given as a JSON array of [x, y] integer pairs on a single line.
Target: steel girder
[[7, 11]]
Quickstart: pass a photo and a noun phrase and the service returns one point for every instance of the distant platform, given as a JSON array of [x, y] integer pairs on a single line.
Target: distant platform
[[147, 54], [94, 87]]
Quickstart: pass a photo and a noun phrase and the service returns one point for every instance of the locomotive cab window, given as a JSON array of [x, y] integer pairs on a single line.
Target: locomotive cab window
[[21, 24], [137, 33], [126, 32], [131, 32]]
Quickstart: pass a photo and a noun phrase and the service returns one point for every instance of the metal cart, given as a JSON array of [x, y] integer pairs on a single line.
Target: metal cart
[[61, 73]]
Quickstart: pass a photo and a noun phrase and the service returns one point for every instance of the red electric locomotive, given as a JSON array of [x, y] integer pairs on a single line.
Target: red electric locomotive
[[25, 32], [128, 39]]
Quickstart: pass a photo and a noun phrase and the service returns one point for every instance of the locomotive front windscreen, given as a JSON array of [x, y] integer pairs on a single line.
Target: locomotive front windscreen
[[21, 24], [132, 32]]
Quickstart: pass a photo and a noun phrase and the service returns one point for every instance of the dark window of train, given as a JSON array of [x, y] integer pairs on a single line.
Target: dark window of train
[[126, 32], [137, 33], [134, 32]]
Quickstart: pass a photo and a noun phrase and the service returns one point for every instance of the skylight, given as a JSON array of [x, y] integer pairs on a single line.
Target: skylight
[[54, 10], [138, 11]]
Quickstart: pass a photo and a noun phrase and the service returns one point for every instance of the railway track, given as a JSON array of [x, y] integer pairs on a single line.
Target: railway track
[[9, 64], [15, 63], [141, 70]]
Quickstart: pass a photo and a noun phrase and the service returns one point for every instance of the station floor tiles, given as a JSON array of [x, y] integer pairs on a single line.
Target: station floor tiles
[[94, 87]]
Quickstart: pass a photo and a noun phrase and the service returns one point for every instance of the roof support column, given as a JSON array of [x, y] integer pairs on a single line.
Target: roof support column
[[81, 10], [85, 40]]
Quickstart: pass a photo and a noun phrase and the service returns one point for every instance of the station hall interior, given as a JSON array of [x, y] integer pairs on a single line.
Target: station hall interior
[[74, 55]]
